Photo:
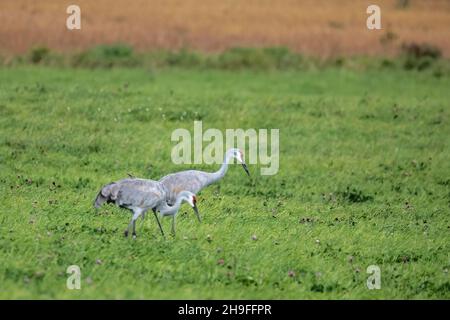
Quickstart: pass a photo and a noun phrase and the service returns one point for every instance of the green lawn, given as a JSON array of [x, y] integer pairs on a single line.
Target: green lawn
[[364, 180]]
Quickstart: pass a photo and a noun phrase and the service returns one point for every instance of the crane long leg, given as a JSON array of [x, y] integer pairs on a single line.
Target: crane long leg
[[134, 227], [173, 224], [132, 223], [157, 220]]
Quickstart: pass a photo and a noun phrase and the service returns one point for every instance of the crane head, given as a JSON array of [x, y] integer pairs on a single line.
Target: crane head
[[193, 203], [239, 156]]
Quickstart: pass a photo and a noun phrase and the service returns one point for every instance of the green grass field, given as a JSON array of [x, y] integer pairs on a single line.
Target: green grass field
[[364, 180]]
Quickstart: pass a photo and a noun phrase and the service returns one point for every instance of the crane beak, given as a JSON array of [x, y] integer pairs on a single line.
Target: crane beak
[[245, 168], [196, 213]]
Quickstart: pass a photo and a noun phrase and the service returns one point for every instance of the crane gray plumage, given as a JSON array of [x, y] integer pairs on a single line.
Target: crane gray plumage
[[166, 210], [140, 195], [195, 180], [137, 195]]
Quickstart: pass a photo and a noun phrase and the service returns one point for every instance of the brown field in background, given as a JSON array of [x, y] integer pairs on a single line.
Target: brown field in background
[[322, 27]]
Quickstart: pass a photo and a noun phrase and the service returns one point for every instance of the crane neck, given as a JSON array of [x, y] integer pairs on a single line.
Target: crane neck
[[167, 210], [219, 174]]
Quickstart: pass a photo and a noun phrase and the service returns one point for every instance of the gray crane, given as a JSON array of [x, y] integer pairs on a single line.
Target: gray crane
[[194, 180], [140, 195], [165, 210]]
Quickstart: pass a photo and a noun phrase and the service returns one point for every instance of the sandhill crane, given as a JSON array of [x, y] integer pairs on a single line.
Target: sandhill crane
[[138, 195], [194, 180], [166, 210]]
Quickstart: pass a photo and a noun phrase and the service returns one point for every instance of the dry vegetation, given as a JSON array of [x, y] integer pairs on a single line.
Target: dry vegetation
[[321, 27]]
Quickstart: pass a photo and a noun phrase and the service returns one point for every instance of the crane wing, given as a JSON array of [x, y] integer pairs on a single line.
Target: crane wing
[[190, 180], [132, 192]]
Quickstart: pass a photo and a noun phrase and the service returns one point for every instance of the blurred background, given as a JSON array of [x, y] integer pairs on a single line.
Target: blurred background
[[312, 27]]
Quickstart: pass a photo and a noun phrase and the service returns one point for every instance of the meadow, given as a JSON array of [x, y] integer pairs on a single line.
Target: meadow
[[315, 27], [364, 180]]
